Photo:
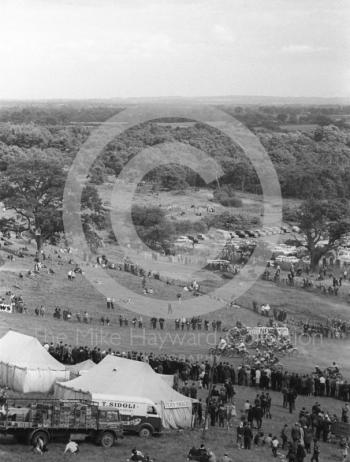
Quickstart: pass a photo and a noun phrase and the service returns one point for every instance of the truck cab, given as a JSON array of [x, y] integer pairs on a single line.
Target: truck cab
[[138, 415]]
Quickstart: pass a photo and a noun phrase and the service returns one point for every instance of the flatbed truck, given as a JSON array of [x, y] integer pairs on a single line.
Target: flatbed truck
[[29, 420]]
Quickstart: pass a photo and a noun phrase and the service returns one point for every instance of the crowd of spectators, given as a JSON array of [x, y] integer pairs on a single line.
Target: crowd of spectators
[[324, 383]]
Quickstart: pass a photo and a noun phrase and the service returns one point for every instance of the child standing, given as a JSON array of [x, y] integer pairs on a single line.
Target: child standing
[[344, 444]]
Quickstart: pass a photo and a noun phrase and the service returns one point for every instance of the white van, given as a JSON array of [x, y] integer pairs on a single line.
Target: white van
[[138, 415]]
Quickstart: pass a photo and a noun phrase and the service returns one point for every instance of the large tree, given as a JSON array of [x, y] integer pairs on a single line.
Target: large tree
[[152, 226], [324, 223], [33, 189]]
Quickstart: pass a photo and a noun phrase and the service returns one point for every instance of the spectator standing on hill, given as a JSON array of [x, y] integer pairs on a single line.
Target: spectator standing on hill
[[240, 435], [315, 452], [247, 436], [291, 397], [301, 453], [284, 436], [345, 413], [231, 413], [222, 415], [291, 455], [344, 445]]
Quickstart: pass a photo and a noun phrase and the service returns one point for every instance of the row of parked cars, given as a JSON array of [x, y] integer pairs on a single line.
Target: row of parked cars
[[260, 232], [240, 234]]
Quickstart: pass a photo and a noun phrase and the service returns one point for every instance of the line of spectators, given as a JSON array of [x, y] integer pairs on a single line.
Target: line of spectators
[[327, 383]]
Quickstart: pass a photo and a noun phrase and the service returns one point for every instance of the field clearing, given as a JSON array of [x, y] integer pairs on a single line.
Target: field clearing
[[173, 446], [56, 289], [51, 290], [183, 205]]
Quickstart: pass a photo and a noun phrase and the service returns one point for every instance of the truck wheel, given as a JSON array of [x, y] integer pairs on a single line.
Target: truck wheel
[[107, 440], [34, 436], [145, 432]]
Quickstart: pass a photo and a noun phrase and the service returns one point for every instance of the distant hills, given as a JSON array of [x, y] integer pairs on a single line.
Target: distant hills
[[229, 99]]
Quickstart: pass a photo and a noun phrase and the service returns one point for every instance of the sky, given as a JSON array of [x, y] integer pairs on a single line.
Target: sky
[[132, 48]]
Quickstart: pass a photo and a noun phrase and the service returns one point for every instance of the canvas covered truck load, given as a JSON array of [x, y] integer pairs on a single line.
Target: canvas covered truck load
[[47, 419], [341, 429]]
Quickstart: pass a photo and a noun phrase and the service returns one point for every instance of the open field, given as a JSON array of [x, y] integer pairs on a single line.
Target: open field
[[184, 205], [51, 290], [173, 446]]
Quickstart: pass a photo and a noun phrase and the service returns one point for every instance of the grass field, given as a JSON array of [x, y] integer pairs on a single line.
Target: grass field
[[173, 446], [51, 290]]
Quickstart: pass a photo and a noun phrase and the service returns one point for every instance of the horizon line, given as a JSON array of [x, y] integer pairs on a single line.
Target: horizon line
[[126, 98]]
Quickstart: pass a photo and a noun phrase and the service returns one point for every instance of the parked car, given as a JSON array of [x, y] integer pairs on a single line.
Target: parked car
[[241, 234], [250, 233], [260, 232]]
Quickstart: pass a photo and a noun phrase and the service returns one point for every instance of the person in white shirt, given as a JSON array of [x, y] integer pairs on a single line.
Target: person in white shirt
[[72, 447], [246, 406], [275, 444], [257, 377]]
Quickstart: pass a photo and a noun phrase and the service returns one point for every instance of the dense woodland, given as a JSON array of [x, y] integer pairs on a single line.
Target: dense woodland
[[309, 147]]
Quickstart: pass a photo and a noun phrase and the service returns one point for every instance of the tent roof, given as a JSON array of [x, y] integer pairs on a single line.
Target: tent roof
[[25, 351], [83, 366], [120, 376]]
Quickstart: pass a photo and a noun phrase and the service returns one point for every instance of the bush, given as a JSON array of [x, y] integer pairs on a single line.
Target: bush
[[226, 220], [226, 197], [231, 202], [97, 176], [290, 214], [190, 227]]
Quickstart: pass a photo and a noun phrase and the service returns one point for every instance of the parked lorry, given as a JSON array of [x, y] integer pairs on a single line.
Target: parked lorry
[[47, 419]]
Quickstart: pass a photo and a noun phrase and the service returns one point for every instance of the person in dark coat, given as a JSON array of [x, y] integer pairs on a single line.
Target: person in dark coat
[[247, 436]]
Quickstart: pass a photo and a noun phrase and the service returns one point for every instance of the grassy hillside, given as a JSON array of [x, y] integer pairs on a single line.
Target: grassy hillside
[[55, 289]]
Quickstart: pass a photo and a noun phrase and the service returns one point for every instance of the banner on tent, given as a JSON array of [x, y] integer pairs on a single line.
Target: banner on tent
[[176, 405], [6, 308]]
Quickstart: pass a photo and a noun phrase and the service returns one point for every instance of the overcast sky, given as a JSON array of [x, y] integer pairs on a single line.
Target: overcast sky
[[121, 48]]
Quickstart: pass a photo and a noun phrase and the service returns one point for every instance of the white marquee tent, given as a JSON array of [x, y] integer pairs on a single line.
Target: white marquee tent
[[80, 368], [26, 366], [124, 377]]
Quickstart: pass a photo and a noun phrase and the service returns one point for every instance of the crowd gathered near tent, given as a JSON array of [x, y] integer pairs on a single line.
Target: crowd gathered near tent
[[26, 366], [317, 382]]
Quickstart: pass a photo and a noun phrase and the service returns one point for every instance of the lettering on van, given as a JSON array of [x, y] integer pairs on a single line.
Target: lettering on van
[[119, 405]]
